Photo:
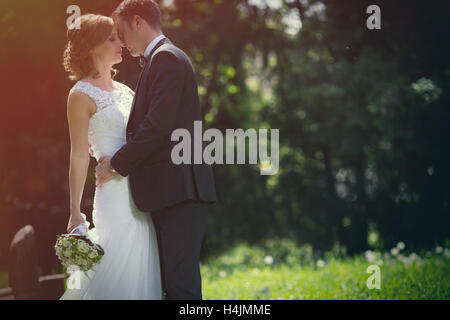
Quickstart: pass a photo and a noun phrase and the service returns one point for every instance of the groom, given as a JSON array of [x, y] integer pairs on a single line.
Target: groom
[[176, 196]]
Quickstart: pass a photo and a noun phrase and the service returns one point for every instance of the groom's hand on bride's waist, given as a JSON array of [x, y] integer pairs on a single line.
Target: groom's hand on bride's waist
[[104, 171]]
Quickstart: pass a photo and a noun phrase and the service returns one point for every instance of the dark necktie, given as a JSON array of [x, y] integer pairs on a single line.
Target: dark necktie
[[143, 60]]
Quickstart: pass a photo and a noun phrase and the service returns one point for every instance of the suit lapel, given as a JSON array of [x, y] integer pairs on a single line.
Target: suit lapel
[[144, 71]]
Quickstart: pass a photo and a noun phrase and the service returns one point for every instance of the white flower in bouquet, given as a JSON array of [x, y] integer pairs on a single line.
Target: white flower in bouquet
[[83, 246], [66, 243], [68, 253]]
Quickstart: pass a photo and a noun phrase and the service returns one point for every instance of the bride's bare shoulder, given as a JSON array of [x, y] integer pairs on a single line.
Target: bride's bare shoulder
[[78, 101]]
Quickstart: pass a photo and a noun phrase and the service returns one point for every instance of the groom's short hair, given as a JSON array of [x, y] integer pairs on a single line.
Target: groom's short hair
[[146, 9]]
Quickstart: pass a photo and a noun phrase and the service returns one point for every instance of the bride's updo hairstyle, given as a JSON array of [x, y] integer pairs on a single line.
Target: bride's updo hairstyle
[[93, 30]]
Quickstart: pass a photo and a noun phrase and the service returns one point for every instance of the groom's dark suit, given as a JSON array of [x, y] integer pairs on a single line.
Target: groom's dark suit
[[166, 99]]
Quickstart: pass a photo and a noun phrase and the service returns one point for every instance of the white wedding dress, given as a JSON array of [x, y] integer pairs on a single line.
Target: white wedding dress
[[130, 268]]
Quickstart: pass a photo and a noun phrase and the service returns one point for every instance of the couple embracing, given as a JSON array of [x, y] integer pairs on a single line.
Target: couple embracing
[[149, 214]]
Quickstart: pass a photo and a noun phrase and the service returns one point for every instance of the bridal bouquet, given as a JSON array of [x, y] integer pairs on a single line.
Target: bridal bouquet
[[77, 250]]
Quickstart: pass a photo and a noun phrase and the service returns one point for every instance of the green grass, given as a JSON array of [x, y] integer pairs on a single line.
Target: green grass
[[3, 279], [278, 269], [238, 275]]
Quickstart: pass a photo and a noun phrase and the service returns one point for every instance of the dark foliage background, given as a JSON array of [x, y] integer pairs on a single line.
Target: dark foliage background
[[363, 118]]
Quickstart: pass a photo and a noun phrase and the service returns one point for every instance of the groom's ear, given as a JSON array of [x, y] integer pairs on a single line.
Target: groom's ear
[[138, 21]]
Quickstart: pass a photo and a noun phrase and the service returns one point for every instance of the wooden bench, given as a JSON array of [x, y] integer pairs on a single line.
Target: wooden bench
[[23, 278]]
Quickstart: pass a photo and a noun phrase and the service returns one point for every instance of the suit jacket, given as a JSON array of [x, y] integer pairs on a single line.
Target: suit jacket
[[166, 98]]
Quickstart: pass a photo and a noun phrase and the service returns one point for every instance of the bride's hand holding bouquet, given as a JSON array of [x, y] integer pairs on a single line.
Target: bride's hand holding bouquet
[[76, 249]]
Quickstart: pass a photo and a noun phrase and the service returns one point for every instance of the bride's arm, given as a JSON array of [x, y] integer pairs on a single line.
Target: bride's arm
[[78, 114]]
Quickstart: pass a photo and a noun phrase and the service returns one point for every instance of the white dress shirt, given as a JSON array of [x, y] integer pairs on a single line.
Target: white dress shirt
[[152, 44]]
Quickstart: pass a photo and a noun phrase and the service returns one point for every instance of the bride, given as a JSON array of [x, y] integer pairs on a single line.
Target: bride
[[97, 111]]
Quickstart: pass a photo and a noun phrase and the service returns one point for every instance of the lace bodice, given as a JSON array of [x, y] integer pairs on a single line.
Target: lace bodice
[[107, 127]]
